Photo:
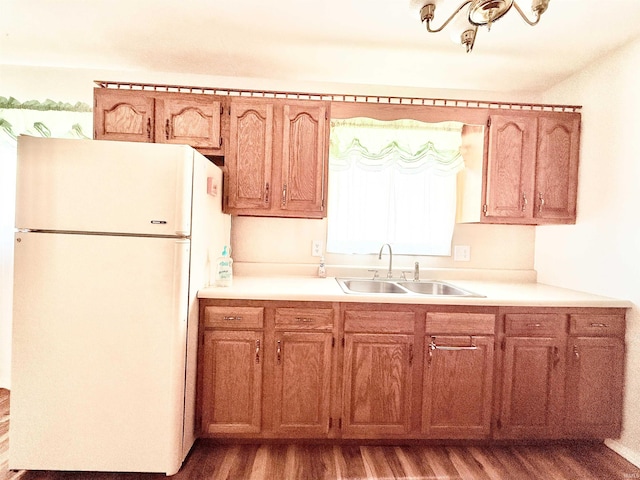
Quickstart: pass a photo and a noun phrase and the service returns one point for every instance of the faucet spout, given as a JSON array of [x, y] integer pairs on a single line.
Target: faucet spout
[[390, 272]]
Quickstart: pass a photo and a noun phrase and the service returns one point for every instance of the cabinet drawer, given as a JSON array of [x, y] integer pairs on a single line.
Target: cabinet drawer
[[462, 323], [233, 317], [304, 318], [597, 325], [379, 321], [534, 325]]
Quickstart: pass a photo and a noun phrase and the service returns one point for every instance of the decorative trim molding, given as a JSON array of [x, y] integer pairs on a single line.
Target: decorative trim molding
[[430, 102]]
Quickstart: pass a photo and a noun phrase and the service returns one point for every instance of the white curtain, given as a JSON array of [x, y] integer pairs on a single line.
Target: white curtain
[[392, 182], [46, 119]]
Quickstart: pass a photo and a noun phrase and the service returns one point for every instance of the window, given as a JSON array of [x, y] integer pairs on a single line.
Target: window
[[392, 182]]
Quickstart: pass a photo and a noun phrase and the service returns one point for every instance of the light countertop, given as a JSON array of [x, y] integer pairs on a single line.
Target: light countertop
[[494, 293]]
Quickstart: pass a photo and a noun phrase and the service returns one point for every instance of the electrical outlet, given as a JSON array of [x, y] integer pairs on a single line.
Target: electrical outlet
[[316, 248], [461, 253]]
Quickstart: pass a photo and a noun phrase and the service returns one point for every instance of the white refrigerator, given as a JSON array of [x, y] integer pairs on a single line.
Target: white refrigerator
[[113, 242]]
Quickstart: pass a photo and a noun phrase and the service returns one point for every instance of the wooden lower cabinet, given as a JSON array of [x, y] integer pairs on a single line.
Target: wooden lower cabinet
[[595, 376], [377, 385], [458, 386], [533, 387], [322, 370], [302, 383], [232, 382]]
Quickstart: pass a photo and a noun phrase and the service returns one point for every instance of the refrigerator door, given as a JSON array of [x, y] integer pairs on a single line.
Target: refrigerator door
[[98, 362], [103, 186]]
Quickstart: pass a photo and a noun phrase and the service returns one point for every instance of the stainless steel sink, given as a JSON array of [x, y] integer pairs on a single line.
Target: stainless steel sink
[[434, 288], [402, 287], [370, 286]]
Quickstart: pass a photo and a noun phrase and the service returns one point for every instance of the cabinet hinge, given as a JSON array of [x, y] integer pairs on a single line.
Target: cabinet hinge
[[333, 342], [502, 344], [489, 122], [340, 424], [484, 208], [221, 109], [220, 141], [343, 341], [330, 423]]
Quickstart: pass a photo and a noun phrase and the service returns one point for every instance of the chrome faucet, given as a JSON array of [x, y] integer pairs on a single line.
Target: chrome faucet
[[390, 272]]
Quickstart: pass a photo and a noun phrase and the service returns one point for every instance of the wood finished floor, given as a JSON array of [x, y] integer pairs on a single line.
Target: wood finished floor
[[208, 460]]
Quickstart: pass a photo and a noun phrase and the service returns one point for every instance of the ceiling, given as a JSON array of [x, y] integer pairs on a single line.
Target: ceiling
[[378, 42]]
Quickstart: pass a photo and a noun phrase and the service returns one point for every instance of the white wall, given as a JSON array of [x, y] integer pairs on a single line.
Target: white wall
[[601, 253]]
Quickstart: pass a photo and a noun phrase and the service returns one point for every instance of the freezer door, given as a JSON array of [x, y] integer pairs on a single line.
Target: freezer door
[[98, 350], [103, 186]]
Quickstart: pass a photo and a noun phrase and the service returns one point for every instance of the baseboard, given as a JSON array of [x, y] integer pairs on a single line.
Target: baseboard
[[625, 452]]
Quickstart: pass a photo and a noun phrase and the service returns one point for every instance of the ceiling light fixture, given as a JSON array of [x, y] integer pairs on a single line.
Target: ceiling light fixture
[[481, 13]]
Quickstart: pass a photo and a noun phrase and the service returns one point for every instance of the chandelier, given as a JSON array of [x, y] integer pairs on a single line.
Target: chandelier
[[481, 13]]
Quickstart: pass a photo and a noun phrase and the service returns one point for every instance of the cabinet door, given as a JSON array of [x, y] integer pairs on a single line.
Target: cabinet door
[[123, 115], [232, 382], [190, 120], [377, 385], [532, 388], [304, 157], [510, 167], [457, 388], [595, 367], [250, 156], [302, 383], [557, 166]]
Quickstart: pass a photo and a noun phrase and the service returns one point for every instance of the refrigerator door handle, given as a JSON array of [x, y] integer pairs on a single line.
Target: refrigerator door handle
[[181, 279]]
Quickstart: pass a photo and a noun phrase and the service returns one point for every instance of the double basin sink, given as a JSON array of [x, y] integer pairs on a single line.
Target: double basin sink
[[402, 287]]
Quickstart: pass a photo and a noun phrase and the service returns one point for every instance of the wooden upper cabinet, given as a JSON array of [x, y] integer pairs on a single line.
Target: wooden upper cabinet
[[189, 120], [532, 168], [159, 117], [304, 157], [556, 177], [249, 157], [277, 158], [123, 115], [511, 166]]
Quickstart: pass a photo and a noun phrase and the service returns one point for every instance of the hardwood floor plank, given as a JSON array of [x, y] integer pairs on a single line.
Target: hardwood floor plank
[[311, 461], [466, 464], [492, 466], [350, 462]]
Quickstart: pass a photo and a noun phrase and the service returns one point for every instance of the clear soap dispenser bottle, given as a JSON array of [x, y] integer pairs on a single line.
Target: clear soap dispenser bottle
[[224, 269], [322, 271]]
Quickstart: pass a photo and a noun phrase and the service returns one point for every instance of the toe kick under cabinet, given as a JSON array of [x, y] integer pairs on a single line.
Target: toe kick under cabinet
[[354, 370]]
